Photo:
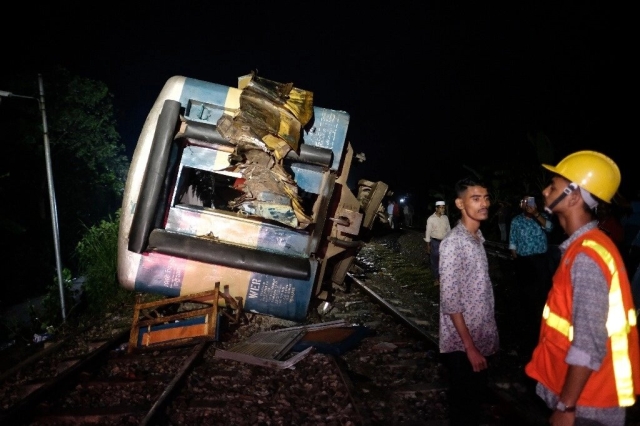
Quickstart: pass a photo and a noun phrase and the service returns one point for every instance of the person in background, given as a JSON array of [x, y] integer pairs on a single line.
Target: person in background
[[528, 246], [468, 333], [437, 227], [587, 361], [396, 216], [503, 216], [408, 215], [390, 208]]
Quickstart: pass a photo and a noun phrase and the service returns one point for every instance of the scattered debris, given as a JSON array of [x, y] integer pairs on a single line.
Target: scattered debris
[[37, 338], [263, 348], [263, 362]]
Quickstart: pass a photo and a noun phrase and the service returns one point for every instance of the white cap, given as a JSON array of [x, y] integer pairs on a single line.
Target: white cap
[[439, 203]]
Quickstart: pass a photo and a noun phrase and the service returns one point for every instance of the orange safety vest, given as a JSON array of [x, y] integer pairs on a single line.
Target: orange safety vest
[[617, 382]]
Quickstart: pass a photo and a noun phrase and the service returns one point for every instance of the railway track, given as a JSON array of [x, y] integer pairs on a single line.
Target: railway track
[[387, 374], [504, 405], [87, 379], [83, 378], [391, 374]]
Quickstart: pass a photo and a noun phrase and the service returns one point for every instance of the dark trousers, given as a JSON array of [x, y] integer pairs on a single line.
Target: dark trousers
[[533, 276], [467, 390], [434, 258]]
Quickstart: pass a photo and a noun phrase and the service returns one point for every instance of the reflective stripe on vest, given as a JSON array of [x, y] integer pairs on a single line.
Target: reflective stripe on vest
[[619, 324]]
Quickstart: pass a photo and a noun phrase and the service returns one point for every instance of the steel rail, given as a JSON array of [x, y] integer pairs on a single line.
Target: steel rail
[[55, 383], [393, 311], [162, 401], [521, 410]]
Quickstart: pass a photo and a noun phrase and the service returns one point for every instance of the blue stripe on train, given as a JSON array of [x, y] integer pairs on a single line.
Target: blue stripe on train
[[203, 101], [281, 297]]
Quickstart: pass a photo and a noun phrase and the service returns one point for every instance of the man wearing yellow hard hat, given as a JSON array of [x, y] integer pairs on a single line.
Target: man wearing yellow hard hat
[[587, 361]]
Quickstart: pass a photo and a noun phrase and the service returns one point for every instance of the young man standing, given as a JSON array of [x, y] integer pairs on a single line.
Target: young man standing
[[587, 361], [437, 227], [468, 331]]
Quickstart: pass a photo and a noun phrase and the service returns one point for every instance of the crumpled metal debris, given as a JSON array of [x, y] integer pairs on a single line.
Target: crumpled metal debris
[[265, 129]]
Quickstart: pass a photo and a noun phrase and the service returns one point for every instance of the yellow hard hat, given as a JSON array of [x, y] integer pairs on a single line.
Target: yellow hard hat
[[592, 171]]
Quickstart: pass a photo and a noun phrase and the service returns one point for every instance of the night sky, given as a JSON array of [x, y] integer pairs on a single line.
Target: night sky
[[429, 88]]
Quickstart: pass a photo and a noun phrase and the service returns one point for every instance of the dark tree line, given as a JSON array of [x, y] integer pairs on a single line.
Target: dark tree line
[[89, 168]]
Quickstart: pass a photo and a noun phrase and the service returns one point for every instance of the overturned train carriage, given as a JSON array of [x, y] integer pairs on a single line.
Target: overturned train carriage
[[246, 187]]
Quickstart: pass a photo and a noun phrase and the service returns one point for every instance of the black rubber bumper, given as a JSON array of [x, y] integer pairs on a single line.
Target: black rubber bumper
[[213, 252]]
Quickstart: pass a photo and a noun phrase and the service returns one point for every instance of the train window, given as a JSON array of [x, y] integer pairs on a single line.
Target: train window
[[206, 189]]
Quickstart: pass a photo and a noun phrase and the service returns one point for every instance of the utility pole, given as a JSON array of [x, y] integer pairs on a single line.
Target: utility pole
[[52, 196]]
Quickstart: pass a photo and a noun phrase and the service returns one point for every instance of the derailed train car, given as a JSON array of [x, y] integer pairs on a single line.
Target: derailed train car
[[246, 187]]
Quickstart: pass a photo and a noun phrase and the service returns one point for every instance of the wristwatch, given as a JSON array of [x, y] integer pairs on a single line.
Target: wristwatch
[[562, 407]]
